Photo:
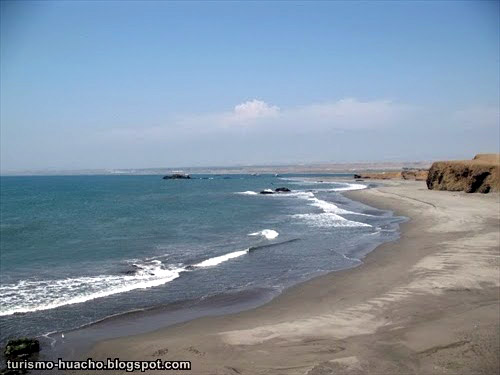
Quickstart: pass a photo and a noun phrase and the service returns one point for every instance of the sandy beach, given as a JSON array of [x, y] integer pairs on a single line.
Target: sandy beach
[[427, 303]]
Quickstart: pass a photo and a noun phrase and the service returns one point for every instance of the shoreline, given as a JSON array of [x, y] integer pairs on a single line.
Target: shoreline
[[426, 303], [143, 321], [29, 307]]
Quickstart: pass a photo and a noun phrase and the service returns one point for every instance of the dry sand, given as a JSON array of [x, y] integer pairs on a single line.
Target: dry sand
[[425, 304]]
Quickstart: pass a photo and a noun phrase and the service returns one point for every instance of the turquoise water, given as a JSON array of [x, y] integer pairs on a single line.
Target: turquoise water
[[76, 249]]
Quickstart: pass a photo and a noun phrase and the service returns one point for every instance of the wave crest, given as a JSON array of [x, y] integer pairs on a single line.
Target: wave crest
[[327, 219], [248, 192], [220, 259], [27, 296], [267, 233]]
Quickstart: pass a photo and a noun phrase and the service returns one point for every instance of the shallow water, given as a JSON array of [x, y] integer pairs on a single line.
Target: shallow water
[[78, 249]]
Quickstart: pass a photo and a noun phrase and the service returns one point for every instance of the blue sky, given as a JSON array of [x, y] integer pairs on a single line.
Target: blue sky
[[158, 84]]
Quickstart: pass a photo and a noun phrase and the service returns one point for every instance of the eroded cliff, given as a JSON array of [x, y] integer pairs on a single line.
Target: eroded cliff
[[479, 175]]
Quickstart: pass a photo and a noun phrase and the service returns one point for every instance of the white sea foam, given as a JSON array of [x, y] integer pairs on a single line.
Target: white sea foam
[[247, 192], [220, 259], [325, 206], [328, 207], [350, 187], [327, 219], [35, 295], [26, 296], [267, 233], [330, 217], [346, 185], [300, 194]]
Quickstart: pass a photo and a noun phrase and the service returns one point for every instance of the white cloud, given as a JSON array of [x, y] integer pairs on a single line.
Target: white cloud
[[254, 117], [343, 114], [254, 109], [256, 132], [258, 116]]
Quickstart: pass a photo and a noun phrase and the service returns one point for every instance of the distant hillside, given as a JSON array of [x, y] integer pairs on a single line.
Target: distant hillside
[[405, 174], [480, 174], [307, 168]]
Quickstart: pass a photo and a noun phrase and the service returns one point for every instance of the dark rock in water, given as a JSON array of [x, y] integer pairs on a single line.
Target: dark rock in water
[[132, 270], [266, 192], [129, 272], [21, 348], [282, 190], [358, 176], [177, 176]]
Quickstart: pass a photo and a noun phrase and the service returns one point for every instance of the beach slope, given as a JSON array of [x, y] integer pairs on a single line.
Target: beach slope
[[425, 304]]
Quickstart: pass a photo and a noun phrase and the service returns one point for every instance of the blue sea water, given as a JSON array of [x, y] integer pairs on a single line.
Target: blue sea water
[[78, 249]]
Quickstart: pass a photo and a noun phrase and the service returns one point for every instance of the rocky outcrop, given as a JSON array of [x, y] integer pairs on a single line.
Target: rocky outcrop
[[21, 348], [177, 176], [277, 190], [480, 175]]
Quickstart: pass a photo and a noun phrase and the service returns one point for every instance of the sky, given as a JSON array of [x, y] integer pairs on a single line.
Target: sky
[[87, 85]]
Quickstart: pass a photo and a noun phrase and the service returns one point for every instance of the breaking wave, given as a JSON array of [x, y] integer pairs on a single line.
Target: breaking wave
[[29, 295], [35, 295], [267, 233], [220, 259], [248, 192], [326, 219]]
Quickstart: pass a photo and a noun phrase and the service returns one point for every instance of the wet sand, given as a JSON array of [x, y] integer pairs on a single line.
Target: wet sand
[[425, 304]]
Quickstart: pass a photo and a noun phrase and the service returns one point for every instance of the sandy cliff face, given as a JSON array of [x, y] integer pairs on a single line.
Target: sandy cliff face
[[418, 175], [478, 175]]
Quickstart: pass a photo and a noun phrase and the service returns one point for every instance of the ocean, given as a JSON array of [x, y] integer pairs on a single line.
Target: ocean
[[78, 249]]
